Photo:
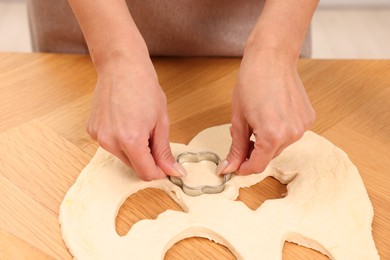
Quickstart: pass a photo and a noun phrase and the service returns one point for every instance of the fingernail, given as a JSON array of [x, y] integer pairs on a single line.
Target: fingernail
[[221, 167], [180, 171]]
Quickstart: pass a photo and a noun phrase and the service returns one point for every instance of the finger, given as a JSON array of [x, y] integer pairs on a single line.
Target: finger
[[112, 147], [122, 156], [292, 138], [138, 152], [239, 148], [281, 149], [258, 160], [161, 150]]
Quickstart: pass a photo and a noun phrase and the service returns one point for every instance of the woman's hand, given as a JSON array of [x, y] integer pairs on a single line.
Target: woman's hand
[[129, 118], [270, 102]]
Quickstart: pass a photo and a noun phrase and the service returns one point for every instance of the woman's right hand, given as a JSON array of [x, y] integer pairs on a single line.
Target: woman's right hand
[[129, 118]]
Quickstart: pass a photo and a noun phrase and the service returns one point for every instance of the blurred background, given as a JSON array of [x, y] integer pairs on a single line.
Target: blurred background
[[341, 29]]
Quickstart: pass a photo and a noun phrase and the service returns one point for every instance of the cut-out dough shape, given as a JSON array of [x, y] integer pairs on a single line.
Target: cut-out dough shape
[[327, 207]]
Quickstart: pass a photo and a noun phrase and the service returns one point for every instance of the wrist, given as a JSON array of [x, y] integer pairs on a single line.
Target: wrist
[[271, 57], [124, 61], [119, 55], [274, 51], [121, 76]]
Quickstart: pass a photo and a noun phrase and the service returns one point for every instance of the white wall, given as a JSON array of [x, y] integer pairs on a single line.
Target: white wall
[[353, 3]]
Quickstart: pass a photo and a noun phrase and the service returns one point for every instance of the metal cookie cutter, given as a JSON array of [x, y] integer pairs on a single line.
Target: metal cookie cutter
[[203, 189]]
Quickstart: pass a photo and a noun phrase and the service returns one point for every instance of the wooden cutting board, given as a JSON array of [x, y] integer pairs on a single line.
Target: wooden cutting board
[[44, 104]]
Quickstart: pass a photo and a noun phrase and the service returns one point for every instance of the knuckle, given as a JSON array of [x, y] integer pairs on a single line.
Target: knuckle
[[131, 140], [163, 155], [274, 136], [232, 130], [296, 132], [106, 141], [309, 119], [91, 130]]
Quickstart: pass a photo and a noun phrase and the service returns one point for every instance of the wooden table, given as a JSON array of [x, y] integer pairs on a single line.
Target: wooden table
[[45, 100]]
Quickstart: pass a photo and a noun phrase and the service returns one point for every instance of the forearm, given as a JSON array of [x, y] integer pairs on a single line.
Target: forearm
[[109, 30], [281, 28]]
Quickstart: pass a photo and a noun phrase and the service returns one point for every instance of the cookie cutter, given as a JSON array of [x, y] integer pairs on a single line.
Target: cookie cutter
[[191, 157]]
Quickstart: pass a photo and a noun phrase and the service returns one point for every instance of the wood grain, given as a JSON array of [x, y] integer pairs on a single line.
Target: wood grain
[[14, 248], [44, 104]]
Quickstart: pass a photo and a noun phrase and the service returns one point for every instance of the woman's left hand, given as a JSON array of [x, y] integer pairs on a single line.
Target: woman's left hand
[[270, 102]]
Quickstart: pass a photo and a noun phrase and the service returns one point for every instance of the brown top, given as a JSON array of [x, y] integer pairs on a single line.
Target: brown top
[[170, 28]]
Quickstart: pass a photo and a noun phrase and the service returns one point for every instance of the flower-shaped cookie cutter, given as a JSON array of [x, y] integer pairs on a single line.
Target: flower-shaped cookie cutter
[[190, 157]]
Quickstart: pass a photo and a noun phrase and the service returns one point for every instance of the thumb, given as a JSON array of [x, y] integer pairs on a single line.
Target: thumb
[[238, 150], [161, 150]]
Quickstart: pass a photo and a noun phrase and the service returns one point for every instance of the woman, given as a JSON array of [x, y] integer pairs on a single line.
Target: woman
[[269, 99]]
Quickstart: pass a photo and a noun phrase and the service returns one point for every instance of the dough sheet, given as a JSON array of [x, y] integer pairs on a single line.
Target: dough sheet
[[326, 208]]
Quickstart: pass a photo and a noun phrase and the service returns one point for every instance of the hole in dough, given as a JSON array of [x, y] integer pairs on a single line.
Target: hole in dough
[[292, 251], [133, 210], [269, 188], [198, 248]]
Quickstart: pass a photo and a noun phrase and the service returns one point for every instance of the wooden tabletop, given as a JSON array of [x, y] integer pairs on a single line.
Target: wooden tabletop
[[45, 100]]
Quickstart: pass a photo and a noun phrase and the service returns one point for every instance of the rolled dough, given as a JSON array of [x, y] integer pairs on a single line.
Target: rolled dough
[[327, 207]]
